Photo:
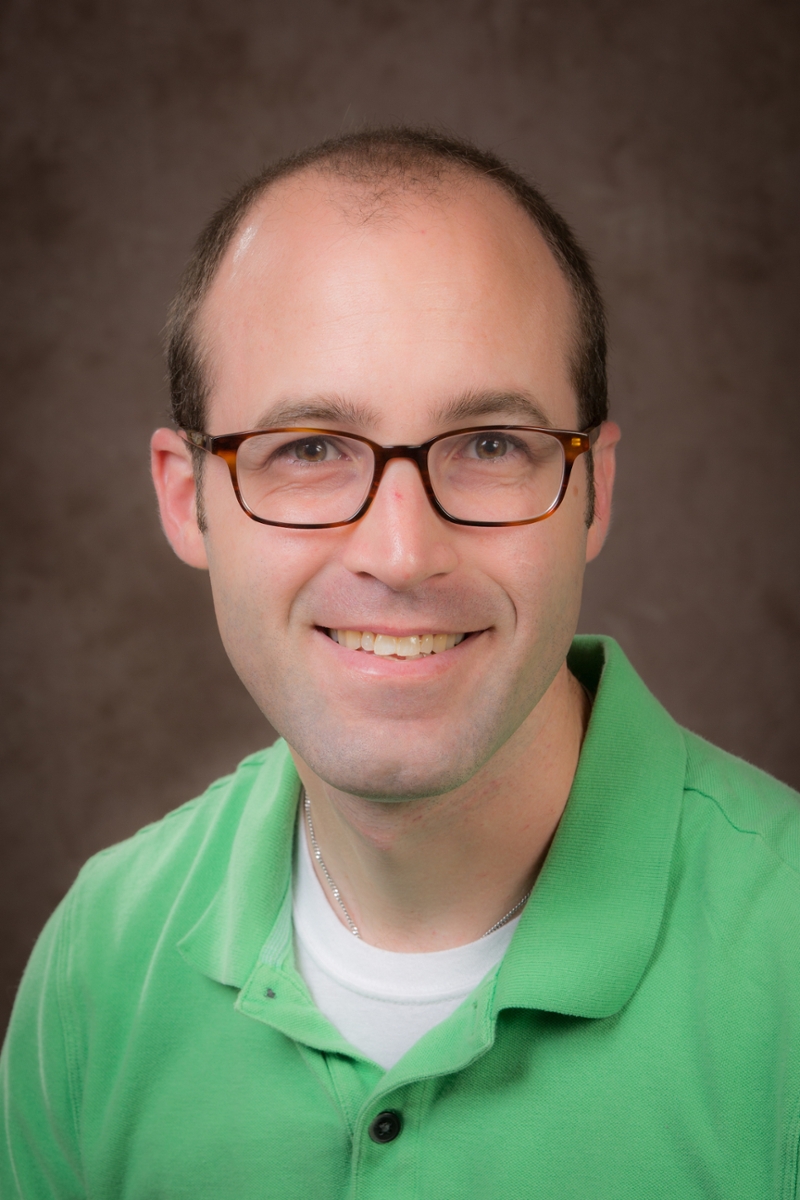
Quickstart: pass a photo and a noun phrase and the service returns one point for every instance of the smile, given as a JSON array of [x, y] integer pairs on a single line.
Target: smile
[[400, 647]]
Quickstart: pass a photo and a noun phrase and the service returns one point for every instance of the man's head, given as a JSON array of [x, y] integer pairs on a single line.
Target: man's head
[[396, 304]]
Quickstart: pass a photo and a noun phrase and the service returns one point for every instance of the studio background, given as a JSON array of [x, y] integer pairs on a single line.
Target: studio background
[[666, 132]]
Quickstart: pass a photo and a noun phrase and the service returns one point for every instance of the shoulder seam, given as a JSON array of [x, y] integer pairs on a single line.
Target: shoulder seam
[[173, 814], [189, 806], [742, 829]]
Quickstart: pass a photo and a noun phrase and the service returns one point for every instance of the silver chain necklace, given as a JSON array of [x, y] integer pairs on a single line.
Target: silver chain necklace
[[337, 895]]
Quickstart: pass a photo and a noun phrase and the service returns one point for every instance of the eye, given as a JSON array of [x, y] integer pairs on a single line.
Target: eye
[[313, 450], [490, 445]]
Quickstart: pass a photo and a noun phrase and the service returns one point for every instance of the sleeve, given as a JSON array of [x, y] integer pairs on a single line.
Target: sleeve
[[39, 1143]]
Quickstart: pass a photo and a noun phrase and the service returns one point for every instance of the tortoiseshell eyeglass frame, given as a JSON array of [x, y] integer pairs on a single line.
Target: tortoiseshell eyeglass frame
[[574, 443]]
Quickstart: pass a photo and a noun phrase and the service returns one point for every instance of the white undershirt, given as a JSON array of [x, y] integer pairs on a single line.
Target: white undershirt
[[381, 1001]]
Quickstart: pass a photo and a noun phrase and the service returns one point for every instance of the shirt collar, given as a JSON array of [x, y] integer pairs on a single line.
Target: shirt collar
[[249, 908], [591, 923], [590, 926]]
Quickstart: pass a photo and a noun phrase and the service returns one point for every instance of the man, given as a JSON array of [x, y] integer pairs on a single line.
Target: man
[[486, 922]]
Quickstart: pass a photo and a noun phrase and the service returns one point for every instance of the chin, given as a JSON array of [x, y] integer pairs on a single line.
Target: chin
[[394, 777], [387, 784]]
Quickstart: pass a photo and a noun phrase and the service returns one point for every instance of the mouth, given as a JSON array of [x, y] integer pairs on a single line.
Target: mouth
[[386, 646]]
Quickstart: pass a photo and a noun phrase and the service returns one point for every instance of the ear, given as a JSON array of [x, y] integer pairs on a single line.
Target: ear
[[605, 461], [173, 476]]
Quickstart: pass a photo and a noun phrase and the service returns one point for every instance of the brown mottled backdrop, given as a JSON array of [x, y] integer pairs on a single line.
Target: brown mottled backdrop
[[668, 133]]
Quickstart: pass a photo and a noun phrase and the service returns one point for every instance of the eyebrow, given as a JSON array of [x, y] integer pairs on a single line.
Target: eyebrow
[[488, 404], [468, 407], [317, 408]]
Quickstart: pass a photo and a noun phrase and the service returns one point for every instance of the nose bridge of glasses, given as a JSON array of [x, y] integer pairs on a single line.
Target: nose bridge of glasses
[[416, 454]]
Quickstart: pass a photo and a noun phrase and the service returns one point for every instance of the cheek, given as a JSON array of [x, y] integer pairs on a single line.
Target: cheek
[[257, 573], [545, 573]]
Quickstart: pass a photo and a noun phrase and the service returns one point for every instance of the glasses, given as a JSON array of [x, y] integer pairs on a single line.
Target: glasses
[[488, 475]]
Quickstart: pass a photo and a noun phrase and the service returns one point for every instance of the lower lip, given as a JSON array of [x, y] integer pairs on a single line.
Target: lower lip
[[368, 663]]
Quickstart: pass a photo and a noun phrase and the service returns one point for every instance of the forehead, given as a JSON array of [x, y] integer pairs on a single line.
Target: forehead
[[394, 303]]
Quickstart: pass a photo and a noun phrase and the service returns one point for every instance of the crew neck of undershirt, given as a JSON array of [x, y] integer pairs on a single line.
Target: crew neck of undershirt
[[394, 976]]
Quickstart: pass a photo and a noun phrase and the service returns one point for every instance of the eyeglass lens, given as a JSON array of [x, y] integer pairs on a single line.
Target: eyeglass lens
[[489, 475]]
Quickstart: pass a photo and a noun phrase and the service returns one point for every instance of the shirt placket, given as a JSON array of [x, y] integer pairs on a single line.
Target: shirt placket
[[389, 1138], [383, 1112]]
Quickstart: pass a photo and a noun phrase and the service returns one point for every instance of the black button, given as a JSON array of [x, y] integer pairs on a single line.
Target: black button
[[386, 1126]]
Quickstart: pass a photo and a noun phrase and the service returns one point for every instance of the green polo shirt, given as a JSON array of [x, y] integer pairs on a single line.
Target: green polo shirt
[[639, 1039]]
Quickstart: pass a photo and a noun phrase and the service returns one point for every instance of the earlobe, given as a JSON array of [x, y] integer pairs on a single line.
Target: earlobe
[[604, 456], [174, 480]]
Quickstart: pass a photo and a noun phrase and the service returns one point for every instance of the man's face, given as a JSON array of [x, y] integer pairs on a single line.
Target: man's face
[[437, 313]]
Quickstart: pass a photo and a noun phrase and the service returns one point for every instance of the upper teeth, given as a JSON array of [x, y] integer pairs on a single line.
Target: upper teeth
[[403, 647]]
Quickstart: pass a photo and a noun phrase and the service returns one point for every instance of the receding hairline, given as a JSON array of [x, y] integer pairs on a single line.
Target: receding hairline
[[359, 205], [362, 200]]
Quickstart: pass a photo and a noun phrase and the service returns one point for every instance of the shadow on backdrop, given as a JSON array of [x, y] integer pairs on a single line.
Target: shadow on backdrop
[[668, 135]]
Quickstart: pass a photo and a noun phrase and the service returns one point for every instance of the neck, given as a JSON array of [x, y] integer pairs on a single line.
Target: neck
[[430, 874]]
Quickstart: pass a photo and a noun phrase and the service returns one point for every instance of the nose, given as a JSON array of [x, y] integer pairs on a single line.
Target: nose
[[401, 541]]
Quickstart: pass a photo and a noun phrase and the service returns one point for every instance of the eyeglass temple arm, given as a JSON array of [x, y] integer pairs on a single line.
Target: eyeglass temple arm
[[197, 439]]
